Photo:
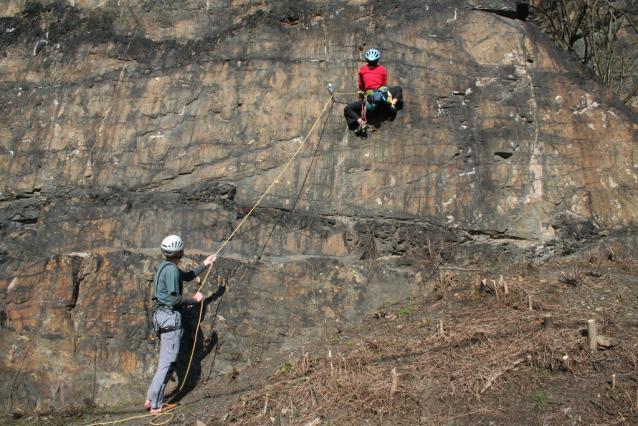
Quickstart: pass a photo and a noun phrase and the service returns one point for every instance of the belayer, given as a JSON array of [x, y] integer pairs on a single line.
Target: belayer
[[376, 96], [167, 315]]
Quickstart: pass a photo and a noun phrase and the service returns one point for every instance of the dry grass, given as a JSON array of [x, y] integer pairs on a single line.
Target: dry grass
[[387, 371]]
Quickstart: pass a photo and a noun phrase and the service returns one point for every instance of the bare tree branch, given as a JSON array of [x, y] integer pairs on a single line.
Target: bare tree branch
[[601, 34]]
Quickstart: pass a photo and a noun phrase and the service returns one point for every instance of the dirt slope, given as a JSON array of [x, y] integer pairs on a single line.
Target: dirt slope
[[462, 356]]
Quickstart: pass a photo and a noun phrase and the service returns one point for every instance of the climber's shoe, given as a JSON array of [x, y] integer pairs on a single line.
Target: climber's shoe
[[147, 404], [361, 129], [164, 407]]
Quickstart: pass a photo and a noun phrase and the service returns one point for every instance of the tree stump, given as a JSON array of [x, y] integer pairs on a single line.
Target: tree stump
[[592, 337]]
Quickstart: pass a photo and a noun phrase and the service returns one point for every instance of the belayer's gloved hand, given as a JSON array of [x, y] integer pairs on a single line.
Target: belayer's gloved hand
[[362, 94]]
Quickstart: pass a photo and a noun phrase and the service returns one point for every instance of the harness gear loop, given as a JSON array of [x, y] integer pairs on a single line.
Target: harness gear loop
[[364, 109]]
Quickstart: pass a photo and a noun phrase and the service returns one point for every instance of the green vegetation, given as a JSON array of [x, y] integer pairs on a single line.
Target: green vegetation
[[284, 368], [407, 310], [541, 370], [539, 399], [614, 394]]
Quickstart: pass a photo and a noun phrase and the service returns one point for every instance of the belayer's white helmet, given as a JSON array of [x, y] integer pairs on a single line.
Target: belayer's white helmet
[[372, 55], [172, 245]]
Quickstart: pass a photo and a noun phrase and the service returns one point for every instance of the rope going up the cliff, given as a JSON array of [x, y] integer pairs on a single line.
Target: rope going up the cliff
[[332, 98], [201, 308], [199, 320]]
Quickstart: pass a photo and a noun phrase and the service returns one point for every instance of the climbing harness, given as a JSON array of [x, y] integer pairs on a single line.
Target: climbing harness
[[375, 97], [201, 307], [164, 328], [372, 99]]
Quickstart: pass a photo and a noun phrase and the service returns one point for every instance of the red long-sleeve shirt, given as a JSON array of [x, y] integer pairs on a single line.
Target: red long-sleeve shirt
[[372, 77]]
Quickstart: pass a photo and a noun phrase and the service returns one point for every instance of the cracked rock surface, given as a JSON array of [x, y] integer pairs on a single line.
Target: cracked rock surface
[[122, 124]]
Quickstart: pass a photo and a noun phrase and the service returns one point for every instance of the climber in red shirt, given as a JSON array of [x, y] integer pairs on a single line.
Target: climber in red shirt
[[376, 95], [372, 76]]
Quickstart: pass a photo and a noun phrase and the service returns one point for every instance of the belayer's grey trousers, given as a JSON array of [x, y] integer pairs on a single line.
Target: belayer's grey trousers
[[168, 325]]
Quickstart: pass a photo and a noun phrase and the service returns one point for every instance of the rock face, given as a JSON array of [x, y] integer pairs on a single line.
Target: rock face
[[122, 124]]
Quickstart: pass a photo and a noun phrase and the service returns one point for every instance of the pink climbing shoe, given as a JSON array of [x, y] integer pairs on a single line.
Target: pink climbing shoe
[[164, 407]]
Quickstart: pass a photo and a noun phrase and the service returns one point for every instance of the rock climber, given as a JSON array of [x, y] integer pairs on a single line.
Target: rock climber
[[167, 316], [376, 96]]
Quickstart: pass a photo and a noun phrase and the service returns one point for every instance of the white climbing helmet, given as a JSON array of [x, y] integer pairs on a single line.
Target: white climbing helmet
[[372, 55], [172, 245]]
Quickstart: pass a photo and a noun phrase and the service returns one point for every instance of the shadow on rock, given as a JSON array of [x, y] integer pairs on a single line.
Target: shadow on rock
[[377, 118]]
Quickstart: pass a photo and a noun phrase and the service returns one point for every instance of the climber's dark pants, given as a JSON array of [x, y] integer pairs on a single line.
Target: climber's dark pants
[[352, 111]]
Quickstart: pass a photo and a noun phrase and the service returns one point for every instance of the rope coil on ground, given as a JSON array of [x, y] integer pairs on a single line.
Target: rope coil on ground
[[154, 416]]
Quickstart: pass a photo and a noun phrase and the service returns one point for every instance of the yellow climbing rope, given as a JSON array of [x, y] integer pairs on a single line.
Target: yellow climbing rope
[[155, 417], [201, 307]]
